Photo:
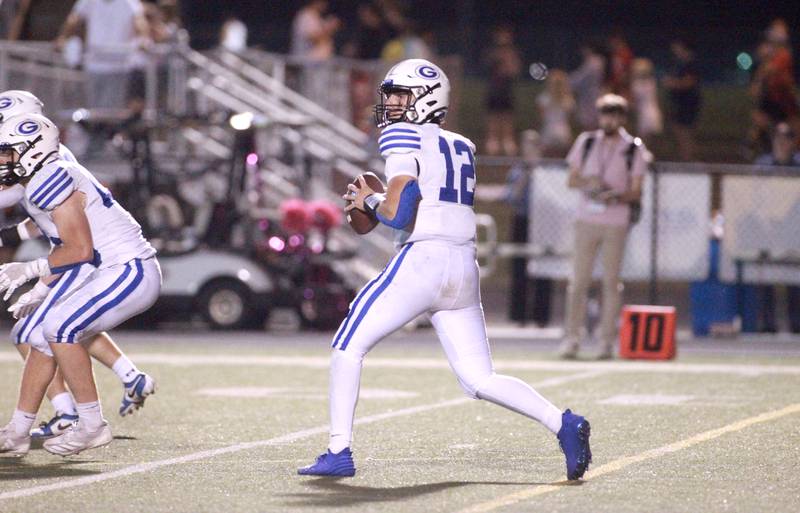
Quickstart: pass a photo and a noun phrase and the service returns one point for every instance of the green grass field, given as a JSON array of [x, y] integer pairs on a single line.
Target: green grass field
[[235, 415]]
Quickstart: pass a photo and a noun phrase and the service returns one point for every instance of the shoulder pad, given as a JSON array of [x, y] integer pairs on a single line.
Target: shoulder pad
[[50, 186], [400, 138], [469, 142]]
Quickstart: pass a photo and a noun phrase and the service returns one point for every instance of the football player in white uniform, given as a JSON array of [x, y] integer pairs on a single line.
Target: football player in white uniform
[[100, 272], [137, 385], [429, 202]]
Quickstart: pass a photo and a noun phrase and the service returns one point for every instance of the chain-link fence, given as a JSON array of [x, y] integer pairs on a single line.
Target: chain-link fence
[[736, 271]]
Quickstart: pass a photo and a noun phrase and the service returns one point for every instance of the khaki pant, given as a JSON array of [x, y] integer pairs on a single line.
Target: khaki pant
[[589, 238]]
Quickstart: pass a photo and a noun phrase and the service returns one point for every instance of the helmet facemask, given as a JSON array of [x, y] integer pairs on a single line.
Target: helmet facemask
[[387, 114], [13, 170]]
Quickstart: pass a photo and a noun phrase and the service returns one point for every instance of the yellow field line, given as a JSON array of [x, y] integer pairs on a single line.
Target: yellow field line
[[627, 461]]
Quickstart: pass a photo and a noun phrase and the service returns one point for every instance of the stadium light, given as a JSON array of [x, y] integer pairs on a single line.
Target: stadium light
[[242, 121]]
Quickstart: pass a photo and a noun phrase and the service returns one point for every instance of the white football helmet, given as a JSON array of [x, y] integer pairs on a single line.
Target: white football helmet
[[32, 140], [13, 103], [429, 91]]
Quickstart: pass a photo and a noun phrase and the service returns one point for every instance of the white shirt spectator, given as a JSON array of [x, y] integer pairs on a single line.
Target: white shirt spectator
[[312, 34], [110, 33]]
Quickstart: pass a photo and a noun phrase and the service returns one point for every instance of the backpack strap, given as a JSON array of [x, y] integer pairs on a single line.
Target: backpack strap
[[587, 147], [631, 151]]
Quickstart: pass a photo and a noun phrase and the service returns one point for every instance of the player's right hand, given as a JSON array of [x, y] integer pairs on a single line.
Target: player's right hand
[[29, 301], [15, 274]]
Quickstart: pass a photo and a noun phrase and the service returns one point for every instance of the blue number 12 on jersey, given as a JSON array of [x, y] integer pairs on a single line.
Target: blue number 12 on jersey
[[467, 190]]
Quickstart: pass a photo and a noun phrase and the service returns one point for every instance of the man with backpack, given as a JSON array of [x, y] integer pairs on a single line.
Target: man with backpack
[[608, 167]]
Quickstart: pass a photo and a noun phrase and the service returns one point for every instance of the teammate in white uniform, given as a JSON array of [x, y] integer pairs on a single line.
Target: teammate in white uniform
[[100, 273], [429, 201], [137, 385]]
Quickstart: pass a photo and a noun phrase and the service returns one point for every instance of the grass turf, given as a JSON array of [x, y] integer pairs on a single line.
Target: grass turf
[[450, 458]]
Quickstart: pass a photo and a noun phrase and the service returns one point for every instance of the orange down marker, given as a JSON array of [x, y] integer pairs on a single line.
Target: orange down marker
[[647, 332]]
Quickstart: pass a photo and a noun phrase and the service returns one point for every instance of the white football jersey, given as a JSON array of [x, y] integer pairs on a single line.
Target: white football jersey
[[444, 165], [116, 235]]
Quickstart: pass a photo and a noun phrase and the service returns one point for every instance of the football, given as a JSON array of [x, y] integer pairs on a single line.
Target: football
[[361, 221]]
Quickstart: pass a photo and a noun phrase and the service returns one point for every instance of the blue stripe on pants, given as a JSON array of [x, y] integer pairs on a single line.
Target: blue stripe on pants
[[375, 295], [60, 292], [111, 304], [93, 301], [356, 302]]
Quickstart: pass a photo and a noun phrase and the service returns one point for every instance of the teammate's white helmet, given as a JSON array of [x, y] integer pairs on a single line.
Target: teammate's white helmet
[[429, 88], [35, 140], [13, 103]]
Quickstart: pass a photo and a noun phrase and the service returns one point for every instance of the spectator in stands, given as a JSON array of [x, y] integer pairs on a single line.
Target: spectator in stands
[[608, 167], [115, 29], [618, 80], [503, 63], [784, 148], [556, 104], [313, 31], [408, 44], [8, 15], [683, 86], [773, 83], [784, 153], [233, 35], [586, 83], [644, 91], [370, 35], [517, 195]]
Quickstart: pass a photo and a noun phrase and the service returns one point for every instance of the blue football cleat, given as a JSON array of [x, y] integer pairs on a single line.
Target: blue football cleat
[[55, 426], [135, 393], [330, 464], [573, 437]]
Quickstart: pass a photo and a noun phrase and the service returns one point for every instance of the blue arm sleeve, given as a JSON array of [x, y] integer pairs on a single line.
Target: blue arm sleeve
[[406, 208]]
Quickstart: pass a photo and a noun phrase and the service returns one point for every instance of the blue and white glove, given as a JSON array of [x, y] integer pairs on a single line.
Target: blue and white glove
[[15, 274], [29, 301]]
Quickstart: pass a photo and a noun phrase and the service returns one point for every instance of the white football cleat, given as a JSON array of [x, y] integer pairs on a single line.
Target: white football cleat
[[12, 443], [78, 439], [136, 391], [55, 426]]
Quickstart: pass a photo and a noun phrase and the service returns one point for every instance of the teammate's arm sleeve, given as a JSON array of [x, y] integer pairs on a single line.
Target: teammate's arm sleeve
[[10, 196], [77, 247], [49, 193], [400, 206]]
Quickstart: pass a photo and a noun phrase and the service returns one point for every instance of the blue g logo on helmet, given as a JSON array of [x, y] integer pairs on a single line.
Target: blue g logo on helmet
[[428, 72], [6, 102], [28, 127]]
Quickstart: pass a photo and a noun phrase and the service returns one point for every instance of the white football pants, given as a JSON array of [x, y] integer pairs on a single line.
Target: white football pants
[[441, 279], [86, 301]]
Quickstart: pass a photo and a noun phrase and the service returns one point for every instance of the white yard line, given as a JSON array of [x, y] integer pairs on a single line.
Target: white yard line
[[322, 362], [288, 438], [627, 461]]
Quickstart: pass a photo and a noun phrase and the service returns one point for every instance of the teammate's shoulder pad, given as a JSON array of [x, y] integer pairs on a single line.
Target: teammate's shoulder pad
[[400, 138], [49, 184]]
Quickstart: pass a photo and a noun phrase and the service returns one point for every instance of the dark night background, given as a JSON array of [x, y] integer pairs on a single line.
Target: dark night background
[[548, 31]]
